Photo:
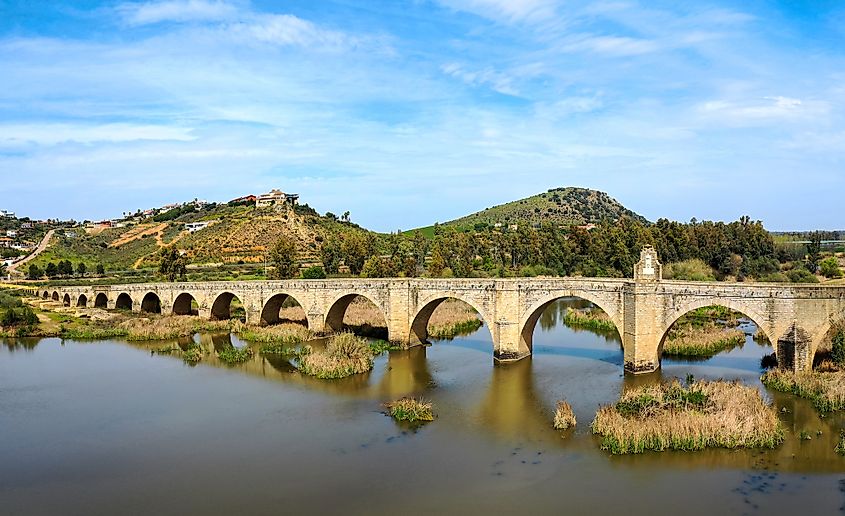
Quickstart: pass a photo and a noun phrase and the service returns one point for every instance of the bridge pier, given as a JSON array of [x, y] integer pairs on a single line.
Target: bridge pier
[[795, 350]]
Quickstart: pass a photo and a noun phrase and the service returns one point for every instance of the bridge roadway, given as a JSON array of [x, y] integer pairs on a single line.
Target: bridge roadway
[[796, 318]]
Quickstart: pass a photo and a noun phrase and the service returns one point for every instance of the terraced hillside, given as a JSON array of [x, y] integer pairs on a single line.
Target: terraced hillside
[[561, 206], [238, 234]]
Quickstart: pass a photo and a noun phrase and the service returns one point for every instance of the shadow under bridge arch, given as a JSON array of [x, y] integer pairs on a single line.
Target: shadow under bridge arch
[[607, 317]]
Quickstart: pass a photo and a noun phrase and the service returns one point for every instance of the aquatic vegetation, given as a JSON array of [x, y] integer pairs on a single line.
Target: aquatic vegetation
[[345, 354], [826, 390], [564, 417], [234, 355], [840, 445], [380, 347], [411, 410], [670, 416], [169, 327], [591, 319], [91, 332], [288, 334], [702, 342], [192, 354]]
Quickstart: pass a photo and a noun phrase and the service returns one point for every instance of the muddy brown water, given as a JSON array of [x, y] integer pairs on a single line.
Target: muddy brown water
[[108, 428]]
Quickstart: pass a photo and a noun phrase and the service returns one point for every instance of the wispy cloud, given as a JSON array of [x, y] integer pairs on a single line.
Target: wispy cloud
[[763, 110], [506, 10], [179, 11], [497, 81]]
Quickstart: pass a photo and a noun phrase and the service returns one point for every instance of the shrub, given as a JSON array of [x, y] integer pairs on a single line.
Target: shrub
[[564, 417], [234, 355], [314, 273], [837, 353], [345, 355], [20, 316], [801, 275], [689, 270], [411, 410], [829, 268]]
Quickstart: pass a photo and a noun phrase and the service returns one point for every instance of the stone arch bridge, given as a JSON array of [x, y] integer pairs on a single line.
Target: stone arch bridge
[[796, 318]]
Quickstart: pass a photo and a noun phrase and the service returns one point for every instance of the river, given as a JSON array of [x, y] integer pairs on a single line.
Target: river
[[108, 427]]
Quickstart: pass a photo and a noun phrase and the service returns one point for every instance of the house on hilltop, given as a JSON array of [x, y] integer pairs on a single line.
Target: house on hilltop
[[275, 197]]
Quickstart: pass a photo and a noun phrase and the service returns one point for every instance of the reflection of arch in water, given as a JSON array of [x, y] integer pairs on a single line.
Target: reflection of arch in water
[[407, 374], [512, 408]]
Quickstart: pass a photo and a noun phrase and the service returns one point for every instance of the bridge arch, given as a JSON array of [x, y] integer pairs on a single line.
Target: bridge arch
[[66, 300], [124, 302], [745, 310], [337, 310], [270, 313], [151, 303], [55, 295], [82, 301], [532, 315], [101, 301], [421, 319], [184, 304], [46, 295], [221, 308]]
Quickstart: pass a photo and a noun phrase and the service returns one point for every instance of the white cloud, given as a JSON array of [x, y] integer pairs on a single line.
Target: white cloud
[[506, 10], [619, 46], [285, 29], [497, 81], [567, 107], [180, 11], [53, 134], [762, 110]]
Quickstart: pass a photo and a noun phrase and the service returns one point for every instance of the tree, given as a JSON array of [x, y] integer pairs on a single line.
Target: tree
[[52, 271], [814, 249], [379, 267], [315, 272], [2, 269], [101, 271], [173, 265], [81, 269], [35, 272], [829, 268], [284, 257], [345, 216], [65, 268]]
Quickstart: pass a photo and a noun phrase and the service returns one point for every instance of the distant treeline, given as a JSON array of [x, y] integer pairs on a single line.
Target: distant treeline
[[741, 249]]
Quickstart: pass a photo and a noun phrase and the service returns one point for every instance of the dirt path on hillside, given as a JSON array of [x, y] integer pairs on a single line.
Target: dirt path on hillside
[[42, 246]]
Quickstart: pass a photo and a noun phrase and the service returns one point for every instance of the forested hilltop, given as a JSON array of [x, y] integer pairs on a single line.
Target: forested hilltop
[[596, 237]]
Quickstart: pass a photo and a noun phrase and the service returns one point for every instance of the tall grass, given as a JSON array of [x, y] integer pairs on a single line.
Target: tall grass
[[345, 355], [287, 334], [592, 319], [564, 416], [702, 342], [669, 416], [411, 410], [232, 356], [169, 327], [826, 390]]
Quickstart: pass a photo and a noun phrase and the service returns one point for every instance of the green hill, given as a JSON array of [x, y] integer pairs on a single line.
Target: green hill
[[561, 206]]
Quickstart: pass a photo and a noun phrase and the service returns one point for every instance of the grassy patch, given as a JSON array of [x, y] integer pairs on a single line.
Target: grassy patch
[[411, 410], [345, 355], [233, 356], [282, 334], [702, 342], [826, 390], [670, 416], [592, 319], [380, 347], [192, 354], [564, 417]]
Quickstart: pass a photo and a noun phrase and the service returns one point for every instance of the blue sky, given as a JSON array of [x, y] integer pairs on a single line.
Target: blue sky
[[410, 112]]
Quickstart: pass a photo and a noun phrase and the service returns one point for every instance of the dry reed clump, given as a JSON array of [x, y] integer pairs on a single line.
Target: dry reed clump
[[826, 390], [592, 319], [293, 314], [702, 341], [672, 417], [286, 333], [169, 327], [345, 355], [411, 410], [564, 417]]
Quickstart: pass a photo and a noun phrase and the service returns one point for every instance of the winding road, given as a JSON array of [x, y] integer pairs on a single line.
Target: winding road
[[45, 242]]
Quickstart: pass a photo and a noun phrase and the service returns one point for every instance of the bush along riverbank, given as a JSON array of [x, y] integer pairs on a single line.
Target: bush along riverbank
[[704, 333], [346, 354], [588, 319], [670, 416]]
